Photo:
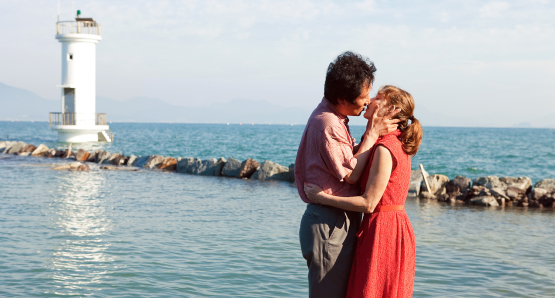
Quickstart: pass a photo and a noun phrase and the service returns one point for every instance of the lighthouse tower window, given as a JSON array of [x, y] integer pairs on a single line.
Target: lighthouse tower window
[[69, 56]]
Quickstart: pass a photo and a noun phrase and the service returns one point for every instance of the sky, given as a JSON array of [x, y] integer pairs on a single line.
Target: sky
[[487, 61]]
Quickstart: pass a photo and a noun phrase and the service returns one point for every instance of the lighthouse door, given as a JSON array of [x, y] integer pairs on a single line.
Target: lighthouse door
[[69, 106]]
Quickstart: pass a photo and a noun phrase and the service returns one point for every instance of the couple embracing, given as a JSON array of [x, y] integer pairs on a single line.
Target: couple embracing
[[340, 181]]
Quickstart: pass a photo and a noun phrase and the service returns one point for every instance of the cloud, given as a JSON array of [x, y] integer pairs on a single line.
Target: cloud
[[430, 46], [443, 16], [367, 5], [494, 9]]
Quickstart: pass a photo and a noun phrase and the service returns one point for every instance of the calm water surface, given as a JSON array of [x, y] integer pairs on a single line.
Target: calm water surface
[[153, 234]]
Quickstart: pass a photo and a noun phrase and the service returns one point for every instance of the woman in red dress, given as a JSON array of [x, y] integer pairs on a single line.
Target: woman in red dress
[[384, 261]]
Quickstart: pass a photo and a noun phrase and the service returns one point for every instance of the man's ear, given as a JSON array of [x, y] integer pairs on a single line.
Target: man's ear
[[341, 102]]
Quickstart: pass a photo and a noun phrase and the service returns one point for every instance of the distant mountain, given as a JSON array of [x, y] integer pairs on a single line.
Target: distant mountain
[[23, 105], [20, 104], [143, 109]]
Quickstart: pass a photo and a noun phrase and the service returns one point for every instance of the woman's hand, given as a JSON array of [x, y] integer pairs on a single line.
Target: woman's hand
[[314, 193], [380, 126]]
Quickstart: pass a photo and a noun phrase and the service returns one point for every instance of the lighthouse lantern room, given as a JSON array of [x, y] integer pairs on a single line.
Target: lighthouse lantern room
[[78, 121]]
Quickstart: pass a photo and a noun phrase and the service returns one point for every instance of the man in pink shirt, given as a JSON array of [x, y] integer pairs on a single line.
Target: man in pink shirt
[[329, 158]]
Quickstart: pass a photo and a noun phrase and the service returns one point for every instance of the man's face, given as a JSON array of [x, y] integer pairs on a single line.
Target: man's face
[[349, 109]]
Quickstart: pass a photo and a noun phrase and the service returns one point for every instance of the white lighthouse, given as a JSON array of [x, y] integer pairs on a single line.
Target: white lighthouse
[[78, 121]]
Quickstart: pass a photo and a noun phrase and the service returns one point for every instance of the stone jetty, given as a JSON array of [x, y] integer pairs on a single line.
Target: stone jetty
[[485, 191], [231, 167], [482, 191]]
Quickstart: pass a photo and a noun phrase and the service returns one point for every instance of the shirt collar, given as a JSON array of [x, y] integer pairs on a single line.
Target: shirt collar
[[328, 105]]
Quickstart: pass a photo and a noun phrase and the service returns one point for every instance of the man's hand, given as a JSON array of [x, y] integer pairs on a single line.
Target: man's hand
[[380, 126]]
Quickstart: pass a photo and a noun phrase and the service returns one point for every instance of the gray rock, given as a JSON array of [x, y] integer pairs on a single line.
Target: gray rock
[[28, 149], [119, 160], [515, 193], [101, 156], [109, 160], [24, 153], [478, 190], [416, 181], [53, 153], [131, 159], [188, 165], [427, 195], [498, 192], [92, 157], [211, 167], [168, 164], [153, 161], [2, 145], [74, 166], [68, 153], [489, 182], [459, 184], [524, 183], [7, 145], [140, 161], [15, 148], [538, 193], [484, 201], [114, 168], [548, 184], [231, 168], [548, 200], [248, 167], [82, 155], [40, 151], [271, 171], [438, 184]]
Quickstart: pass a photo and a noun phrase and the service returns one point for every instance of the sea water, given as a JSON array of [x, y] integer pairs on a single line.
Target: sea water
[[154, 234]]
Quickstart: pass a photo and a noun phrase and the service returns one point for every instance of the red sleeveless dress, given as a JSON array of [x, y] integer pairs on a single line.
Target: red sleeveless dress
[[385, 256]]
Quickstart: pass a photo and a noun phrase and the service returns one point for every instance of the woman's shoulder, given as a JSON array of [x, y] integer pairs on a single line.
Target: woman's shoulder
[[392, 142]]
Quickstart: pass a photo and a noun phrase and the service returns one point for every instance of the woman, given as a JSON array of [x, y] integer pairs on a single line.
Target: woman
[[384, 261]]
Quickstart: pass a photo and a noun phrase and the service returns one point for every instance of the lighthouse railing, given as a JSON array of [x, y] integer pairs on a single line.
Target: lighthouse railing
[[78, 27], [57, 118]]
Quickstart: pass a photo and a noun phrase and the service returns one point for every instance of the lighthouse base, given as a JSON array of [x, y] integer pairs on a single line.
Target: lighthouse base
[[81, 134]]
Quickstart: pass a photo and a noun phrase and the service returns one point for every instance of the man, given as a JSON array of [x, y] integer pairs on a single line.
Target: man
[[329, 158]]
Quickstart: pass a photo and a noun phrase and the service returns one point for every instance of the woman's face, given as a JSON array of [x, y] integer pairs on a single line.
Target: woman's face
[[371, 107]]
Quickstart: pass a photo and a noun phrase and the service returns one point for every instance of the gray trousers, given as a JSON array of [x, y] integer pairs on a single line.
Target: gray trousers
[[328, 243]]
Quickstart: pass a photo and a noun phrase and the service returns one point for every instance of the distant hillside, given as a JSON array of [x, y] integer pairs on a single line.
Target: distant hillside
[[142, 109], [23, 105]]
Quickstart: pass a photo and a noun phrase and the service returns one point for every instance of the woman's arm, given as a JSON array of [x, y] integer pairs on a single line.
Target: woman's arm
[[380, 172], [376, 127]]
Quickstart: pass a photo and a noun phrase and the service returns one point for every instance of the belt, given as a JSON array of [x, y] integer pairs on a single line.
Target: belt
[[385, 208]]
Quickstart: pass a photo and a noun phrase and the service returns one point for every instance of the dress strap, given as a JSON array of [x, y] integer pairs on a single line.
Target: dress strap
[[385, 208]]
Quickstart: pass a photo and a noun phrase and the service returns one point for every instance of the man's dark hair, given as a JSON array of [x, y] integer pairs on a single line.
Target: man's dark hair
[[346, 76]]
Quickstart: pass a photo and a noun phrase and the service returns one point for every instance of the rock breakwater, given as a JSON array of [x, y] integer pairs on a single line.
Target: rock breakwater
[[231, 167], [482, 191], [485, 191]]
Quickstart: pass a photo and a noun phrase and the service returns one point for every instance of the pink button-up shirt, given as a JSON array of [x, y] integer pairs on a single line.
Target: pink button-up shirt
[[325, 155]]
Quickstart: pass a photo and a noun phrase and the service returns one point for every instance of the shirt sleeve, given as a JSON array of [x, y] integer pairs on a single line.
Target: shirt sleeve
[[337, 152]]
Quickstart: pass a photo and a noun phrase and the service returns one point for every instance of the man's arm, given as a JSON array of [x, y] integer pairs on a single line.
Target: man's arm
[[380, 172]]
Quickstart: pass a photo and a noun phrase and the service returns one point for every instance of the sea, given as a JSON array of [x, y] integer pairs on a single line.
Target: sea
[[157, 234]]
